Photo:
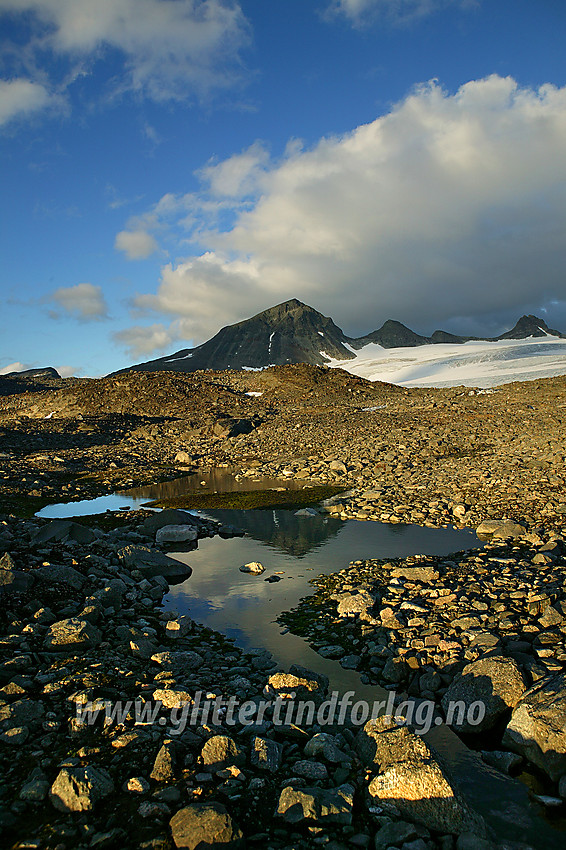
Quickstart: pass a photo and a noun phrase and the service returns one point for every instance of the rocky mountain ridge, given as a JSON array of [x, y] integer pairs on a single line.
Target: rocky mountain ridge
[[293, 332]]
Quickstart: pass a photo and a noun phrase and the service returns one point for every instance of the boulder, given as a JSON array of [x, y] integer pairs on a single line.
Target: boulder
[[496, 682], [204, 825], [152, 563], [178, 662], [424, 574], [78, 789], [266, 754], [169, 516], [253, 567], [58, 574], [355, 603], [500, 529], [220, 751], [22, 713], [228, 427], [164, 764], [176, 534], [412, 778], [298, 688], [72, 635], [332, 805], [537, 729], [63, 530]]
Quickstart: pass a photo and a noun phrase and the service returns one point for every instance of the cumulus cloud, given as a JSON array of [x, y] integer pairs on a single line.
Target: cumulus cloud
[[17, 366], [21, 97], [171, 49], [143, 340], [84, 302], [364, 11], [448, 209], [136, 244]]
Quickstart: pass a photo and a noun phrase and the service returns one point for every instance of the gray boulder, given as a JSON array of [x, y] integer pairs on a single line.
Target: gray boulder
[[78, 789], [496, 682], [170, 534], [537, 729], [201, 826], [72, 635], [169, 516], [58, 574], [63, 530], [152, 563]]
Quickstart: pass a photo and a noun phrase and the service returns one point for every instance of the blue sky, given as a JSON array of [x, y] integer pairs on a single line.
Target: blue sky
[[171, 166]]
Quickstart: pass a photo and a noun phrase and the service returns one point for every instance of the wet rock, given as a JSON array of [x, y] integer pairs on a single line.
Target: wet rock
[[537, 729], [333, 805], [199, 826], [253, 567], [78, 789], [72, 635], [495, 684]]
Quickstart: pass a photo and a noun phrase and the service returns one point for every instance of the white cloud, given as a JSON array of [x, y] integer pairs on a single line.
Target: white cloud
[[20, 97], [172, 49], [239, 175], [363, 11], [142, 340], [68, 371], [136, 244], [449, 208], [84, 302], [17, 366]]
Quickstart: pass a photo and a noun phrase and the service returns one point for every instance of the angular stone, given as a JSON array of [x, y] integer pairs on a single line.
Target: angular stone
[[178, 628], [78, 789], [169, 516], [200, 826], [55, 573], [152, 563], [287, 686], [537, 729], [500, 529], [178, 662], [60, 530], [176, 534], [413, 779], [164, 764], [355, 603], [219, 751], [253, 567], [424, 574], [496, 682], [72, 635], [333, 805], [23, 712], [266, 754]]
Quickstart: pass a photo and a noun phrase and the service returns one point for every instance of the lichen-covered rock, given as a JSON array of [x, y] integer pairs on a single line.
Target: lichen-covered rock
[[78, 789], [537, 729], [331, 805], [72, 635], [496, 682], [201, 826]]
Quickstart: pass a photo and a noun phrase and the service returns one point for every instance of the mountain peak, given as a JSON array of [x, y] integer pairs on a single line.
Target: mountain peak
[[528, 326]]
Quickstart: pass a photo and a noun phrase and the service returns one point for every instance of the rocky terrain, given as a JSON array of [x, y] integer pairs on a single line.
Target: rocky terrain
[[81, 616]]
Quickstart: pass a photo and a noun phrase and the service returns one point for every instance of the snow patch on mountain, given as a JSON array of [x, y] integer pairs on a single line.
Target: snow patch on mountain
[[471, 364]]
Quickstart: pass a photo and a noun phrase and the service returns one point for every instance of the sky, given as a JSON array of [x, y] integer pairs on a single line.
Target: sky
[[172, 166]]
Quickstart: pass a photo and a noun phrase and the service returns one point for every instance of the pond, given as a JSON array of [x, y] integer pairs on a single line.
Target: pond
[[296, 547]]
